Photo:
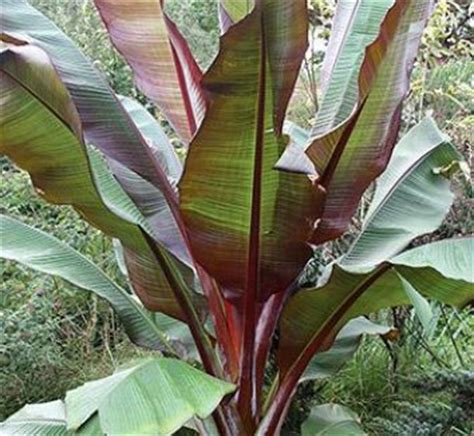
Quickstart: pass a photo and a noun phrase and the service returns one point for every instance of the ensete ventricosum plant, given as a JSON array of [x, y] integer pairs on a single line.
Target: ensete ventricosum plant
[[214, 248]]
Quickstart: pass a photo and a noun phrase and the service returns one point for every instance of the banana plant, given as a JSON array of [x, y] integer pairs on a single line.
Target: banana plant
[[213, 248]]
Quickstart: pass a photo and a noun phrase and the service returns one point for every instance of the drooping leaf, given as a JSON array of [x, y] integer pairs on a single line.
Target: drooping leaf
[[331, 420], [410, 199], [164, 67], [106, 124], [311, 319], [229, 191], [45, 419], [47, 254], [353, 139], [41, 132], [155, 397], [329, 362]]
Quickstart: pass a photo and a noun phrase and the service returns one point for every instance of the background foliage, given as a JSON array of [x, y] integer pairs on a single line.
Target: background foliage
[[54, 337]]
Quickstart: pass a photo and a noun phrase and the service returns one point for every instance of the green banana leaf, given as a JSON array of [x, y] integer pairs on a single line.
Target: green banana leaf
[[411, 197], [155, 136], [420, 305], [157, 396], [441, 271], [46, 419], [331, 420], [40, 251]]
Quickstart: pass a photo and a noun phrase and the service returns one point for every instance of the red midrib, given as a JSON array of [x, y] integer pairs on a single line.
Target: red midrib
[[247, 397]]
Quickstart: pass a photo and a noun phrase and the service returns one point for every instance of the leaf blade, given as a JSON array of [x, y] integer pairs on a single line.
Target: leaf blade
[[120, 398], [168, 74], [229, 190], [44, 253], [45, 139], [410, 199], [331, 419]]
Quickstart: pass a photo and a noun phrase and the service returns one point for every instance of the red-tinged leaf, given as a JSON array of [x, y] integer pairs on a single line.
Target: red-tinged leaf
[[230, 193], [356, 27], [153, 203], [322, 311], [286, 50], [287, 47], [248, 223], [155, 210], [42, 133], [105, 122], [164, 67], [355, 133]]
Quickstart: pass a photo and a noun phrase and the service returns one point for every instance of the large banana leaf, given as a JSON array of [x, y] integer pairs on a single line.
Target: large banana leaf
[[436, 266], [41, 132], [43, 252], [411, 198], [164, 67], [357, 128], [45, 419], [356, 27], [157, 396], [248, 223], [154, 397], [47, 254], [106, 124], [440, 270]]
